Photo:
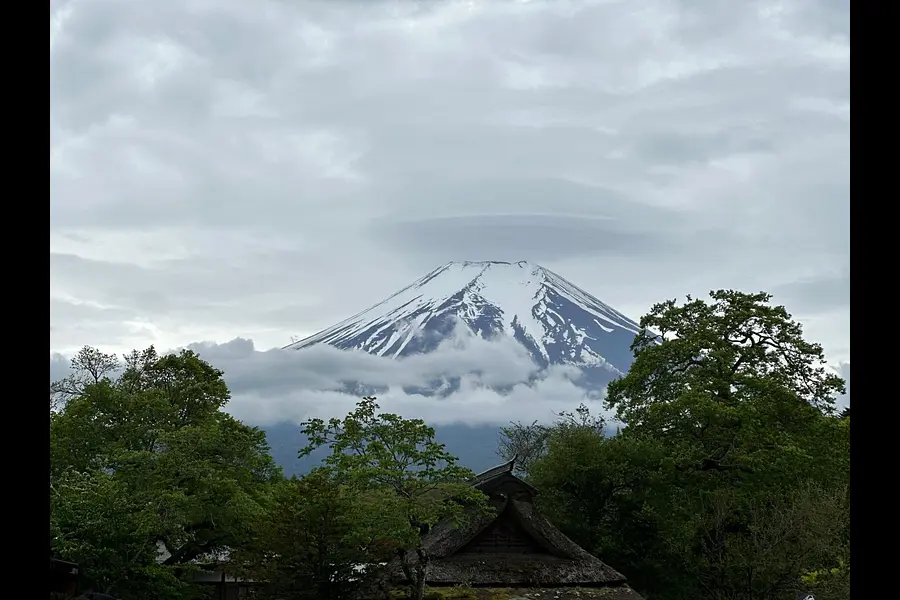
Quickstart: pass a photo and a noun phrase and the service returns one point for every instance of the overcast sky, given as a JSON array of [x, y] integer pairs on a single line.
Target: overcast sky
[[225, 168]]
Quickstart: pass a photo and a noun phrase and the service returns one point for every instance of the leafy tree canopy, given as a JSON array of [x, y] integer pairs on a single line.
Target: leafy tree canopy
[[153, 429], [731, 383], [734, 348], [412, 473], [312, 541], [730, 477]]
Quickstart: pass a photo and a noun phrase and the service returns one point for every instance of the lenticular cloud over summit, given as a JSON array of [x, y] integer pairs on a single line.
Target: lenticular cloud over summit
[[470, 342]]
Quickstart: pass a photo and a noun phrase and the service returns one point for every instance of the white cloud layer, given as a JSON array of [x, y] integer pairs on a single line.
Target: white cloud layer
[[264, 169], [498, 382], [293, 385]]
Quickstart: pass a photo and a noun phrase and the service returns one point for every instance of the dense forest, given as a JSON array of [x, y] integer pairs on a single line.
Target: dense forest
[[728, 478]]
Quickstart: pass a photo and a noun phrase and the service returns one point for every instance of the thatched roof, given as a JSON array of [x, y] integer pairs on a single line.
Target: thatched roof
[[551, 559], [501, 479]]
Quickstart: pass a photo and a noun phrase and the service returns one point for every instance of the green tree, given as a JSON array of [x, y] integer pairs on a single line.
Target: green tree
[[89, 366], [603, 492], [676, 536], [729, 424], [727, 350], [761, 547], [415, 477], [732, 381], [528, 443], [158, 430], [95, 522], [312, 541]]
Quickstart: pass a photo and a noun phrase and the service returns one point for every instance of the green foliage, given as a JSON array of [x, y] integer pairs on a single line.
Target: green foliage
[[679, 535], [730, 478], [96, 523], [89, 366], [525, 443], [718, 355], [734, 391], [308, 543], [528, 443], [759, 548], [417, 481], [830, 583], [729, 481], [190, 475], [603, 493]]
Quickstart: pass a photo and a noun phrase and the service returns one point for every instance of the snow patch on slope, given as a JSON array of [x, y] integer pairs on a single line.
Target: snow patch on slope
[[558, 322]]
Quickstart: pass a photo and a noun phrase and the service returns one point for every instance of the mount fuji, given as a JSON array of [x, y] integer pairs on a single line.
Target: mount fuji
[[553, 322]]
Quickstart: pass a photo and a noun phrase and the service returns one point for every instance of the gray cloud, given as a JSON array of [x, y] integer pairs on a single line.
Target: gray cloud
[[290, 385], [225, 169], [517, 236], [59, 366], [276, 386], [499, 383], [821, 293]]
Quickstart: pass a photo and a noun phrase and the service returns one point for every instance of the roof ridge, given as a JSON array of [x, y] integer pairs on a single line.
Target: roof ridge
[[506, 467]]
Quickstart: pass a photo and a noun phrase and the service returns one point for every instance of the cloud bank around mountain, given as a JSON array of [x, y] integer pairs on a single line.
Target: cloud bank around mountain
[[293, 385], [277, 385]]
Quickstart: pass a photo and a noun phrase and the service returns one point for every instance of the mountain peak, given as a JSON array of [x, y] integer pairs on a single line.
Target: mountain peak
[[484, 263], [556, 321], [470, 266]]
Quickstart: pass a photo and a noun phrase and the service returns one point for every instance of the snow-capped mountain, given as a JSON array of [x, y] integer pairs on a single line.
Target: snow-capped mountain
[[556, 321]]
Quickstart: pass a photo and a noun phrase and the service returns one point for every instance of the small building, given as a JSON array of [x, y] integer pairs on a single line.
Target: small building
[[63, 577], [515, 547], [221, 584], [214, 574]]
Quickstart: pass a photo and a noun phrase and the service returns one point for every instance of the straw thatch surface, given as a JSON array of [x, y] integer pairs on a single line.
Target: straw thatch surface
[[549, 558], [559, 561]]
